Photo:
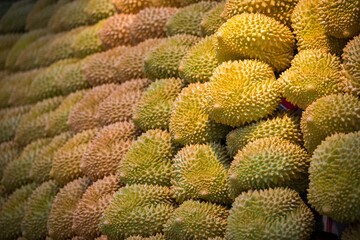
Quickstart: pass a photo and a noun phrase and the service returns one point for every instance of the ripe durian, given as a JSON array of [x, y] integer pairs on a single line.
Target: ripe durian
[[8, 152], [285, 126], [313, 74], [200, 61], [116, 30], [13, 212], [14, 19], [189, 122], [147, 205], [341, 19], [118, 106], [41, 166], [187, 20], [99, 68], [269, 163], [91, 206], [9, 120], [108, 148], [17, 171], [277, 213], [150, 23], [334, 175], [200, 173], [309, 32], [196, 220], [149, 159], [164, 60], [256, 36], [83, 115], [279, 10], [7, 41], [329, 115], [351, 232], [351, 64], [66, 160], [155, 106], [231, 82], [60, 220], [212, 20], [37, 209]]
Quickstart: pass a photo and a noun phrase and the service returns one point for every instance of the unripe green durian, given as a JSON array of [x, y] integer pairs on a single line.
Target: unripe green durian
[[149, 159], [277, 213], [150, 206], [334, 175], [269, 163], [328, 115], [313, 74], [189, 121], [60, 220], [200, 173], [231, 82], [212, 20], [256, 36], [351, 64], [156, 104], [187, 20], [37, 209], [196, 220], [158, 236]]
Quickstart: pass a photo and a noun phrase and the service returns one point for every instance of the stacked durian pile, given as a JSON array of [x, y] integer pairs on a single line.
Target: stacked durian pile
[[179, 119]]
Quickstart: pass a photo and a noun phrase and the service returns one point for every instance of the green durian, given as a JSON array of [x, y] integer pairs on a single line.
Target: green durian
[[351, 64], [8, 152], [158, 236], [14, 19], [334, 175], [9, 120], [212, 20], [277, 213], [40, 14], [7, 41], [196, 220]]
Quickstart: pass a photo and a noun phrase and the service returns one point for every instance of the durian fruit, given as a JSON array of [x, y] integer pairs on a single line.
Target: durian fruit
[[351, 64], [137, 205], [164, 60], [341, 19], [328, 115], [149, 159], [268, 163], [187, 20], [118, 106], [158, 236], [200, 61], [9, 120], [200, 173], [256, 36], [334, 175], [108, 148], [40, 14], [351, 232], [309, 32], [189, 122], [66, 160], [240, 92], [81, 12], [60, 220], [14, 19], [7, 41], [90, 208], [280, 10], [8, 152], [4, 6], [155, 106], [99, 68], [277, 213], [13, 212], [150, 23], [37, 209], [83, 115], [131, 6], [313, 74], [41, 166], [116, 31], [212, 20], [131, 64], [196, 220], [17, 172], [286, 126], [32, 124], [57, 119]]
